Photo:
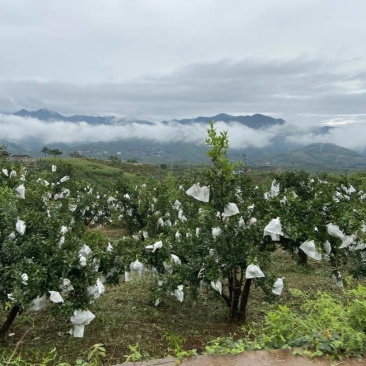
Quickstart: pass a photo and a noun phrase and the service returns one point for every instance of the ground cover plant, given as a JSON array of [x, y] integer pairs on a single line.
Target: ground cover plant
[[325, 324]]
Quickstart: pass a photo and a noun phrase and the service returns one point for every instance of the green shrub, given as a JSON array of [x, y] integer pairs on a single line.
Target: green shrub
[[324, 325]]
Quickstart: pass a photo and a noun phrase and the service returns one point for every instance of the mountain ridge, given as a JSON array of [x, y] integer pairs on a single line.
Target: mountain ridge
[[255, 121], [47, 115], [279, 151]]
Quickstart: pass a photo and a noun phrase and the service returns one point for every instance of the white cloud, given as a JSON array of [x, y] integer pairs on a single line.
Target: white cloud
[[17, 129], [348, 135]]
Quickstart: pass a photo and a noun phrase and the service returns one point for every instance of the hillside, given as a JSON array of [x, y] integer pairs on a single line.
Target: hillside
[[255, 121], [319, 155], [312, 157]]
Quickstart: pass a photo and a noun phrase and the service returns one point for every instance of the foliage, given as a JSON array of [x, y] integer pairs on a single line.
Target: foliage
[[43, 243], [201, 244], [95, 355], [165, 212], [307, 205], [190, 247], [86, 172], [135, 354], [94, 358], [76, 154], [226, 345], [45, 150], [324, 325], [55, 152], [175, 342]]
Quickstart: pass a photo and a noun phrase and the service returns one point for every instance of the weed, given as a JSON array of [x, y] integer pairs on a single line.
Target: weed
[[175, 342], [135, 354]]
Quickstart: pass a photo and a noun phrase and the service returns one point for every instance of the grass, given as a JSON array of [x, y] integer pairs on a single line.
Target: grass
[[124, 317], [89, 170], [104, 172], [92, 171]]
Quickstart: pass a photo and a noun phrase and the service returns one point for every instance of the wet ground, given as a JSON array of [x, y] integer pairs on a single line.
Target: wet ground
[[254, 358]]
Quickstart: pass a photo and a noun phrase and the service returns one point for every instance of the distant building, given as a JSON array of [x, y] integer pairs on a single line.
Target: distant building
[[20, 157], [4, 154]]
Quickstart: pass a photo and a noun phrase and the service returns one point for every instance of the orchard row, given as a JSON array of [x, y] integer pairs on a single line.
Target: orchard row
[[213, 228]]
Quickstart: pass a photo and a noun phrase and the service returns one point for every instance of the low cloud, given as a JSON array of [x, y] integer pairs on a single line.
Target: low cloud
[[351, 136], [18, 129]]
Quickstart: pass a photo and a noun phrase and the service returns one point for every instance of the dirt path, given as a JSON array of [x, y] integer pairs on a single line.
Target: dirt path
[[254, 358]]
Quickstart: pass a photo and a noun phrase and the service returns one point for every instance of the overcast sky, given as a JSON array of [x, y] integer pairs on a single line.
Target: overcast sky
[[301, 60]]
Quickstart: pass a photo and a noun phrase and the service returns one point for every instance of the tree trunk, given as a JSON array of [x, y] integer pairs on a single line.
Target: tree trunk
[[234, 293], [238, 296], [303, 258], [9, 321], [244, 300], [234, 308]]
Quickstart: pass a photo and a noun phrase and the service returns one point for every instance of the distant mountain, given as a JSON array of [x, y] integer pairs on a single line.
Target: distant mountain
[[326, 149], [255, 121], [48, 115], [321, 155], [16, 149], [41, 114], [280, 151]]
